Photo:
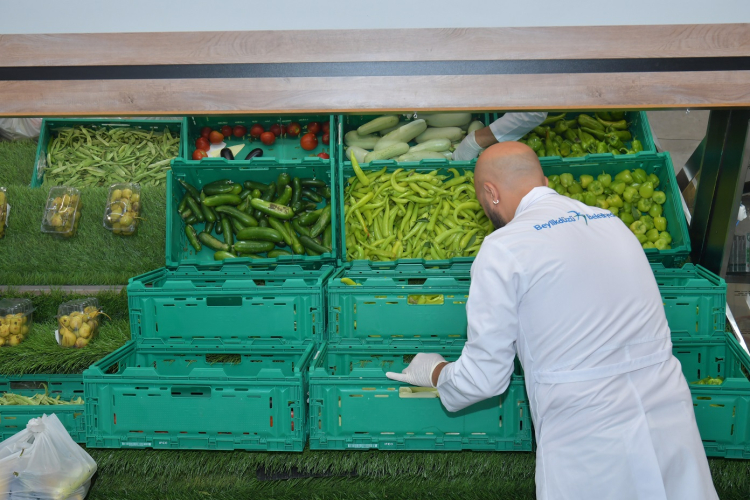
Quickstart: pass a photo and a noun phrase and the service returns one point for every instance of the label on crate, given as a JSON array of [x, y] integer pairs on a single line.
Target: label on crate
[[127, 443], [362, 445]]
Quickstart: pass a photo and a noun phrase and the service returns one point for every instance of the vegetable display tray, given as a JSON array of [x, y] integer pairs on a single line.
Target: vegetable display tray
[[230, 306], [659, 164], [637, 125], [694, 301], [354, 406], [50, 126], [13, 418], [286, 150], [405, 304], [721, 411], [180, 252], [194, 401]]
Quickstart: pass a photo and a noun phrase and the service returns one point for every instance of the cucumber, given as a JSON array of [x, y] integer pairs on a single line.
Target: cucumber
[[377, 124], [406, 132], [389, 129], [352, 138], [386, 142], [446, 119], [474, 126], [421, 155], [244, 247], [450, 133], [358, 152], [386, 154], [260, 233], [432, 145]]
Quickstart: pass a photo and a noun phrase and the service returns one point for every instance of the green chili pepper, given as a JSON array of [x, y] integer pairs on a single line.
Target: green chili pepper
[[636, 145], [192, 237], [618, 125]]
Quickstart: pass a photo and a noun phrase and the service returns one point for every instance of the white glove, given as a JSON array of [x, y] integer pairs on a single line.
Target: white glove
[[419, 371], [468, 149]]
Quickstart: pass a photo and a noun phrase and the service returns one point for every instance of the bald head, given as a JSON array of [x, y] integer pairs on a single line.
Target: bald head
[[504, 174]]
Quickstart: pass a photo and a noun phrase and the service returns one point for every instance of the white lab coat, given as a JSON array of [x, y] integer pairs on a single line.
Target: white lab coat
[[575, 298]]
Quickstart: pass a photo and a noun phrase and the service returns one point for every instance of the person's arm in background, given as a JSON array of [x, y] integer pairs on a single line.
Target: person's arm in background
[[509, 127]]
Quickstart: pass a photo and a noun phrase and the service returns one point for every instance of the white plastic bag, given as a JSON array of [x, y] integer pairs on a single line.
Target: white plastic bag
[[42, 462], [20, 128]]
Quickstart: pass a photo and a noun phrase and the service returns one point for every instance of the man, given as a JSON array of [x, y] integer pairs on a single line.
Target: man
[[509, 127], [568, 289]]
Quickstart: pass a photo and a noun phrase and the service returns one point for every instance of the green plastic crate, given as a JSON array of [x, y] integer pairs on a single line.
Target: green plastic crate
[[354, 406], [721, 411], [638, 126], [50, 125], [13, 419], [347, 123], [180, 252], [656, 163], [166, 399], [385, 308], [285, 151], [231, 306], [694, 300]]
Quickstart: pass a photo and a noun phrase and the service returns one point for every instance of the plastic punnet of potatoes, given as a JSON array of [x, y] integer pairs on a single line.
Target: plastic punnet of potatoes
[[123, 208], [16, 317], [78, 322]]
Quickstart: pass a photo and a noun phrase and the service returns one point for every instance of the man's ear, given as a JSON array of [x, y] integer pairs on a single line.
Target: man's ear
[[491, 192]]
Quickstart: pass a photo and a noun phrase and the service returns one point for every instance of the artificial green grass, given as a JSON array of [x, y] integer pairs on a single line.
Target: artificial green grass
[[40, 353], [94, 256], [185, 475], [17, 162]]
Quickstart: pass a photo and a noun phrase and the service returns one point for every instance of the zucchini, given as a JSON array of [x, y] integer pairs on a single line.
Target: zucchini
[[392, 151], [446, 119], [352, 138], [421, 155], [377, 124], [474, 126], [406, 132], [385, 142], [358, 152], [450, 133], [389, 129], [432, 145]]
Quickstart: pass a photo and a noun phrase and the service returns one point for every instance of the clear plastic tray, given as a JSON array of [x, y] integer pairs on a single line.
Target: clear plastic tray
[[3, 210], [123, 208], [78, 322], [16, 318], [62, 212]]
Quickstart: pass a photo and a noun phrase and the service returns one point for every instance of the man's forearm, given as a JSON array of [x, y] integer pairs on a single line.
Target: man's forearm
[[436, 373], [484, 137]]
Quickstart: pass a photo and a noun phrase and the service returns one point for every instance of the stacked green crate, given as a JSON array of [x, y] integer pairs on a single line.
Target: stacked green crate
[[68, 388], [378, 319], [220, 349]]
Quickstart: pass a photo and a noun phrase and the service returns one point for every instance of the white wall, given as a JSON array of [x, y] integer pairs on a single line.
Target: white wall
[[101, 16]]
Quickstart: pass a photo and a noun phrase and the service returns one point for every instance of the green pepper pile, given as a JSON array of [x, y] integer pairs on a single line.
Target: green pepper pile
[[632, 196], [86, 157], [605, 132], [709, 381], [254, 218], [406, 214]]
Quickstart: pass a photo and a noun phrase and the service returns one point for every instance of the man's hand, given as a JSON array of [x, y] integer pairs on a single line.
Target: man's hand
[[419, 371]]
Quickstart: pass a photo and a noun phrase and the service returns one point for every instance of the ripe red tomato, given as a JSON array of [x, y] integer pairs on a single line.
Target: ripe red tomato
[[216, 137], [256, 130], [325, 156], [326, 127], [326, 138], [202, 143], [226, 130], [239, 131], [293, 129], [205, 132], [308, 142], [276, 129], [313, 127], [199, 154], [267, 138], [283, 130]]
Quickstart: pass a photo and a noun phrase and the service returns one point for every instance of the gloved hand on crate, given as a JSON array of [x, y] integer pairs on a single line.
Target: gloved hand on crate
[[509, 127], [422, 371]]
